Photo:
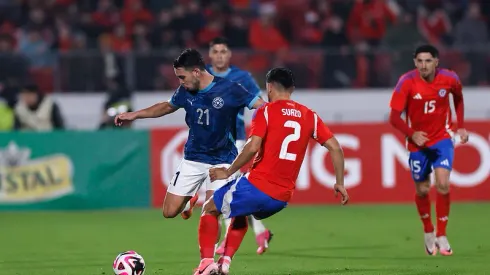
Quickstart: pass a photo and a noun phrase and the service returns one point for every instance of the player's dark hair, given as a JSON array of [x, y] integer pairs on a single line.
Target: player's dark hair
[[189, 59], [281, 76], [219, 41], [426, 49]]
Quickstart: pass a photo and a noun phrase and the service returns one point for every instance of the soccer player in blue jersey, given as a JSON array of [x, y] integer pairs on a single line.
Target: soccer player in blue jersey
[[212, 105], [220, 55]]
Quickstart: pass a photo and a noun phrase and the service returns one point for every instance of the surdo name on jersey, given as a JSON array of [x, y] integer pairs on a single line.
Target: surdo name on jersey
[[291, 112]]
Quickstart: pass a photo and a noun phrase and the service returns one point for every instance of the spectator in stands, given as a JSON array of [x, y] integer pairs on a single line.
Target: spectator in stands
[[368, 20], [36, 49], [264, 36], [13, 66], [37, 112], [141, 39], [434, 24], [106, 15], [403, 34], [236, 30], [401, 39], [472, 30], [134, 11]]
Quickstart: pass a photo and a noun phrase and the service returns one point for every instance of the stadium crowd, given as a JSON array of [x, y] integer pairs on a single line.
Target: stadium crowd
[[128, 45]]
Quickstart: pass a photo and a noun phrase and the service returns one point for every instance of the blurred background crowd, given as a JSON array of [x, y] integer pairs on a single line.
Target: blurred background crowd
[[125, 46]]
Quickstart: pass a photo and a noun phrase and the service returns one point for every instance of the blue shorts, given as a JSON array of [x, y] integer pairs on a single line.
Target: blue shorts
[[439, 155], [239, 197]]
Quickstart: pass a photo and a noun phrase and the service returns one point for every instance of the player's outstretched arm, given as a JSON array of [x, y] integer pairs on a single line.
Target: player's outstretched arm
[[337, 156], [249, 150], [258, 103], [154, 111]]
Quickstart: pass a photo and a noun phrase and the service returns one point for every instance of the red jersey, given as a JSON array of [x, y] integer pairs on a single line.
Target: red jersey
[[426, 105], [286, 128]]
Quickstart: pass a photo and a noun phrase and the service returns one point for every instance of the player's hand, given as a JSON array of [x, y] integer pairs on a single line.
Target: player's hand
[[339, 188], [420, 138], [463, 135], [219, 173], [124, 117]]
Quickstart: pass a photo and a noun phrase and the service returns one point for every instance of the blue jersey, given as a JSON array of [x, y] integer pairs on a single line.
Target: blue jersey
[[245, 78], [211, 117]]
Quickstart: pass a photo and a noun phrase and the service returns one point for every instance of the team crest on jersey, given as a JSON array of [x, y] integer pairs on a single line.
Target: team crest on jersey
[[218, 102], [442, 92]]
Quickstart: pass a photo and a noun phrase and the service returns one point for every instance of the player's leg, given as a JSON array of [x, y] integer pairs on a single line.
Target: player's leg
[[262, 235], [420, 166], [210, 188], [209, 230], [183, 188], [235, 200], [225, 222], [442, 170]]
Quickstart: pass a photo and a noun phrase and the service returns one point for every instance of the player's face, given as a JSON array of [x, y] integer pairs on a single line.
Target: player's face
[[426, 64], [189, 79], [220, 56], [29, 98]]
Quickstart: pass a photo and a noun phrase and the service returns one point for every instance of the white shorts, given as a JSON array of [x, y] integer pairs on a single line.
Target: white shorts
[[191, 175]]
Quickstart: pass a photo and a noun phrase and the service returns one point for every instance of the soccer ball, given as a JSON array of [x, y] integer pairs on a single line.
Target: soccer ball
[[129, 263]]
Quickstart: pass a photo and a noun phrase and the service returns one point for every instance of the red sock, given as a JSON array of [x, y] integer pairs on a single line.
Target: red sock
[[208, 233], [423, 207], [442, 211], [235, 234]]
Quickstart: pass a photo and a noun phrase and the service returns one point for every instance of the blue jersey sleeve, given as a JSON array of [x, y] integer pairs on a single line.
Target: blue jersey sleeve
[[251, 85], [177, 100], [243, 96]]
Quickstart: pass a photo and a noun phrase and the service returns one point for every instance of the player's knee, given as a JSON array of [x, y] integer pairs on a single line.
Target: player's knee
[[169, 212], [423, 189], [209, 208], [442, 187]]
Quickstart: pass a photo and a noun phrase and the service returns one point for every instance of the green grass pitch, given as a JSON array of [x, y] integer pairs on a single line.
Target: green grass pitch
[[355, 239]]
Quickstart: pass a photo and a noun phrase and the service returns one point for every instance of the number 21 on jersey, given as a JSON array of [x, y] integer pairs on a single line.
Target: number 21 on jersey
[[203, 116], [284, 154]]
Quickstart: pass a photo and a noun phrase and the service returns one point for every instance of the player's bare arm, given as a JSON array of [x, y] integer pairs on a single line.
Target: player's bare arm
[[154, 111], [251, 148], [337, 155], [258, 103]]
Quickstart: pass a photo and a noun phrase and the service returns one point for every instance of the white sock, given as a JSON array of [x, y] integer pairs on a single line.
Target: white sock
[[257, 225], [226, 223], [187, 206]]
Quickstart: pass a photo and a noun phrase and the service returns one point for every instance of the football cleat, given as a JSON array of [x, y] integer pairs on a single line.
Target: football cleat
[[188, 213], [430, 243]]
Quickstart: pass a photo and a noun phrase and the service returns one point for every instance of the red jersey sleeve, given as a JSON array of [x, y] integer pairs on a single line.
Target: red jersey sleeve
[[321, 133], [400, 94], [457, 92], [259, 122]]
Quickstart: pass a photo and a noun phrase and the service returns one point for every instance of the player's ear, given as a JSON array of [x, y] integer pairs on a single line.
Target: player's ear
[[437, 62], [196, 72]]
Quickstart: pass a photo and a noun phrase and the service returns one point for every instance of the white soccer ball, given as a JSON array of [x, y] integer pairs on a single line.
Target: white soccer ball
[[129, 263]]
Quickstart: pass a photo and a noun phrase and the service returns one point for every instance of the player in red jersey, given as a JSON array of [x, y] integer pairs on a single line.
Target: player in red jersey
[[423, 95], [280, 134]]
